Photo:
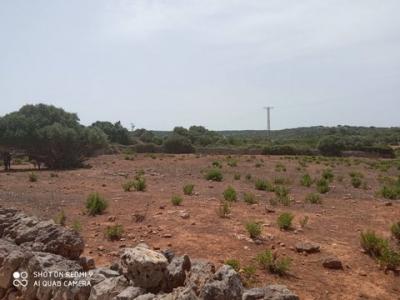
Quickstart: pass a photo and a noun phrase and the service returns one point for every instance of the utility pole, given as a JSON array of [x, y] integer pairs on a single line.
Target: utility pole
[[268, 109]]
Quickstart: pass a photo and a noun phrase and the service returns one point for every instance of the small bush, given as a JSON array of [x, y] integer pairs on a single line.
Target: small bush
[[60, 218], [140, 184], [389, 259], [258, 165], [306, 180], [176, 200], [232, 162], [188, 189], [249, 198], [327, 175], [234, 263], [281, 181], [280, 167], [33, 177], [114, 232], [214, 175], [95, 204], [230, 194], [248, 274], [224, 209], [395, 229], [270, 262], [127, 186], [391, 191], [254, 229], [248, 177], [356, 182], [322, 186], [285, 221], [263, 185], [216, 164], [372, 243], [236, 176], [76, 226], [313, 198]]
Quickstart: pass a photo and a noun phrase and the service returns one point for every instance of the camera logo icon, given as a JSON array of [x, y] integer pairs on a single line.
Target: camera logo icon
[[20, 279]]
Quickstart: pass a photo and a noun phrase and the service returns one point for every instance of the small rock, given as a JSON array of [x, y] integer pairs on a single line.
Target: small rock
[[167, 235], [332, 262], [307, 247], [111, 218], [184, 214]]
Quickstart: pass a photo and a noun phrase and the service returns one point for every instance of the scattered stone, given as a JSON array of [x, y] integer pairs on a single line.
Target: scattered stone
[[167, 235], [111, 218], [332, 262], [184, 214], [307, 247]]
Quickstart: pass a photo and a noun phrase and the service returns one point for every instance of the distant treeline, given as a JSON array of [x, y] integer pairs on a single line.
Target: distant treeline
[[56, 138]]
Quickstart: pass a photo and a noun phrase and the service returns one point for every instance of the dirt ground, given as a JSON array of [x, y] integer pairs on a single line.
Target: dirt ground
[[335, 224]]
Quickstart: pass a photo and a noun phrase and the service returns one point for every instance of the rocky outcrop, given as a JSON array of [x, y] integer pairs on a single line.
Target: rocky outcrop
[[36, 235], [38, 262]]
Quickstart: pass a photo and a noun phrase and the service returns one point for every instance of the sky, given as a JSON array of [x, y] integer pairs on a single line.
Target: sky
[[164, 63]]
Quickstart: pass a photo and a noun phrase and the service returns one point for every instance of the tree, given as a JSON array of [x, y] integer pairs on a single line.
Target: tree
[[50, 134], [116, 133], [178, 144], [331, 145]]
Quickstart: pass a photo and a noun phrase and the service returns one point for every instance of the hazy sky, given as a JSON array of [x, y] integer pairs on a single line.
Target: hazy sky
[[160, 63]]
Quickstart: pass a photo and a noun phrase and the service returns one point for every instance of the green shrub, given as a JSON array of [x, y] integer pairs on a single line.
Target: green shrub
[[127, 186], [234, 263], [230, 194], [281, 181], [356, 182], [32, 177], [139, 184], [249, 198], [249, 275], [248, 177], [216, 164], [306, 180], [254, 229], [391, 191], [270, 262], [224, 209], [263, 185], [95, 204], [76, 226], [114, 232], [176, 200], [280, 167], [372, 243], [214, 175], [258, 165], [232, 162], [236, 176], [313, 198], [322, 186], [188, 189], [285, 221], [60, 218], [389, 259], [327, 175], [395, 229]]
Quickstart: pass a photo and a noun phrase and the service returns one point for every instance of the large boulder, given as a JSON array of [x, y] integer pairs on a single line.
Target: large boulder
[[66, 278], [200, 272], [109, 288], [145, 268], [11, 257], [37, 235], [176, 272], [225, 285]]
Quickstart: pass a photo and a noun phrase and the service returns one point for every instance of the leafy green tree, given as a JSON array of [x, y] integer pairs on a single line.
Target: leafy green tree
[[178, 144], [331, 145], [116, 133], [51, 135]]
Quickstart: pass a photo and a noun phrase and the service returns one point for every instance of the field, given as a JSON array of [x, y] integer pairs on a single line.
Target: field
[[194, 227]]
